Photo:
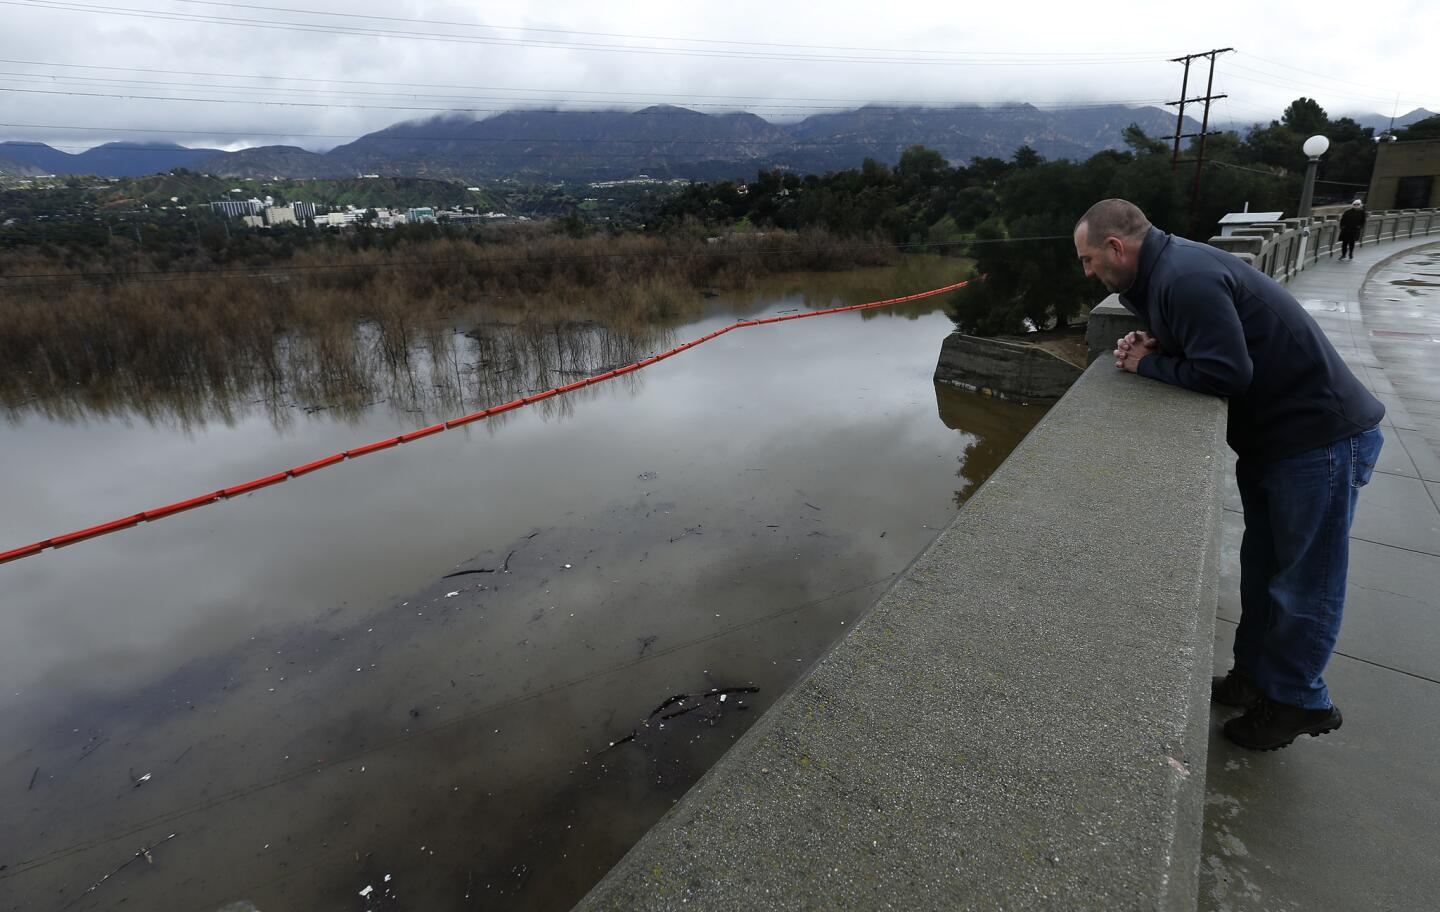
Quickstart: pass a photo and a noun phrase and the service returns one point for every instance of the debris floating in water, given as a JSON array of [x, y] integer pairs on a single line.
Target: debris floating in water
[[367, 891], [452, 594]]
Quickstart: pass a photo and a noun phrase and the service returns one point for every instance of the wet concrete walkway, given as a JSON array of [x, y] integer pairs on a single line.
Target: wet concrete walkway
[[1351, 820]]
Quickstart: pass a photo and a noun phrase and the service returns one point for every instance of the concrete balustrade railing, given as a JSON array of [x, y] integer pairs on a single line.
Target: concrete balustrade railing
[[1290, 246]]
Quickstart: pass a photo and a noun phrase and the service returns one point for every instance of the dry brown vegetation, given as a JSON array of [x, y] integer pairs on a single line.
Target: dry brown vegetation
[[329, 319]]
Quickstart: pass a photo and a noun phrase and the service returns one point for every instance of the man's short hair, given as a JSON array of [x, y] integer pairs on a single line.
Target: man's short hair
[[1113, 218]]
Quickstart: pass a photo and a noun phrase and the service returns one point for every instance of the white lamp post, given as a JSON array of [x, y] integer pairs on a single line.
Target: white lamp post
[[1314, 147]]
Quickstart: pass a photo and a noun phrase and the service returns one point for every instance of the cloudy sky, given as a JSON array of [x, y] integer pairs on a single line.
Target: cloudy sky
[[315, 73]]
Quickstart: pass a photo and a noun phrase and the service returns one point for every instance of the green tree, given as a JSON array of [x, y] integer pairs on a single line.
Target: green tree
[[1351, 157], [1140, 143], [1026, 157], [1429, 128], [1305, 116], [921, 166]]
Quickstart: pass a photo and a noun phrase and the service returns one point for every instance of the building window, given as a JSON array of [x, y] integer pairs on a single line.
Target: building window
[[1414, 192]]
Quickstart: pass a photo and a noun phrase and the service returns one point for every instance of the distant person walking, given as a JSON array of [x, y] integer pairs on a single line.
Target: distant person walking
[[1306, 434], [1352, 223]]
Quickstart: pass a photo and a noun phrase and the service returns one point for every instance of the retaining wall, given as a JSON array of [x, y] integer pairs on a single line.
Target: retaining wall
[[1006, 370]]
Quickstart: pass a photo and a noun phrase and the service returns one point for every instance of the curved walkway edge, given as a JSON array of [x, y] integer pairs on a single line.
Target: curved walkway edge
[[1349, 821]]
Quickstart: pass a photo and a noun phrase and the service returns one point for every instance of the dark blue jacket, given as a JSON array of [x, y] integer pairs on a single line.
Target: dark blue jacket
[[1227, 329]]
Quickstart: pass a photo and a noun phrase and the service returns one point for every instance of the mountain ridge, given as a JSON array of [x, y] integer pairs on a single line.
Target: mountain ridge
[[664, 141], [115, 159]]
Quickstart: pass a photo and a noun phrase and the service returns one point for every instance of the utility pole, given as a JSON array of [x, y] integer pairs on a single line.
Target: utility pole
[[1205, 131]]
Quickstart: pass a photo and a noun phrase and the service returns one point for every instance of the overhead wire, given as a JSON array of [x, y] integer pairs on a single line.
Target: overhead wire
[[909, 58], [764, 44], [667, 104], [1273, 80], [620, 96], [449, 109], [1279, 175], [1391, 92]]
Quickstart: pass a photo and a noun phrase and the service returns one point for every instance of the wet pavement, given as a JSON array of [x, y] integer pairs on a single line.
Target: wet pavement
[[473, 670], [1350, 820]]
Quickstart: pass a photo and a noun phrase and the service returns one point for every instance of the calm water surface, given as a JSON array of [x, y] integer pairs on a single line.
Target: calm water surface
[[297, 686]]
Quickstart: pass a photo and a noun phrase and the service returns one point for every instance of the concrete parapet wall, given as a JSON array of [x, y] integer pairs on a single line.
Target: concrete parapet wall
[[1238, 243], [1006, 370], [1021, 721], [1109, 320]]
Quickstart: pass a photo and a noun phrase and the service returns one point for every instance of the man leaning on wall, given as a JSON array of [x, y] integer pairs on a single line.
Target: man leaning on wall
[[1306, 434]]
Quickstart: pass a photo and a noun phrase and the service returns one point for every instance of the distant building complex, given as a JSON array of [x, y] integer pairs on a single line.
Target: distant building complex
[[265, 214]]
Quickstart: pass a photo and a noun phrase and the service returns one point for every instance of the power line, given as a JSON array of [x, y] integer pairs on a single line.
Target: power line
[[31, 79], [1284, 176], [531, 89], [1204, 133], [49, 79], [1235, 167], [1309, 88], [764, 44], [1390, 92], [910, 57], [303, 104]]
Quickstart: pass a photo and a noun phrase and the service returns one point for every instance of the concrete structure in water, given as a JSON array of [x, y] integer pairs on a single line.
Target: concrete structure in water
[[1023, 721], [1006, 370]]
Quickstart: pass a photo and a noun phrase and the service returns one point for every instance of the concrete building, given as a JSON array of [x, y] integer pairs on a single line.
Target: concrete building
[[236, 208], [303, 211], [421, 214], [279, 215], [1406, 175], [457, 217]]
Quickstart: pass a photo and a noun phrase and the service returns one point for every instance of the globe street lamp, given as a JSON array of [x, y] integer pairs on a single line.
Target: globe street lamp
[[1314, 147]]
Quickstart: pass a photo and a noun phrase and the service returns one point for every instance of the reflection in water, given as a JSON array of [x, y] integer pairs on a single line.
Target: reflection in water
[[1405, 279], [442, 373], [416, 665], [434, 372], [994, 429]]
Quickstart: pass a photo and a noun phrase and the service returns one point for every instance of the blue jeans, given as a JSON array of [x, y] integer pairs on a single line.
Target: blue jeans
[[1293, 564]]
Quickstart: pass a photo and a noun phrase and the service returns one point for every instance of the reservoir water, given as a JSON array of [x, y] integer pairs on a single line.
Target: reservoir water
[[467, 672]]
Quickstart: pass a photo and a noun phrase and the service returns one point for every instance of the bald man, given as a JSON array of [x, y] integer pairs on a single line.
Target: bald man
[[1306, 434]]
